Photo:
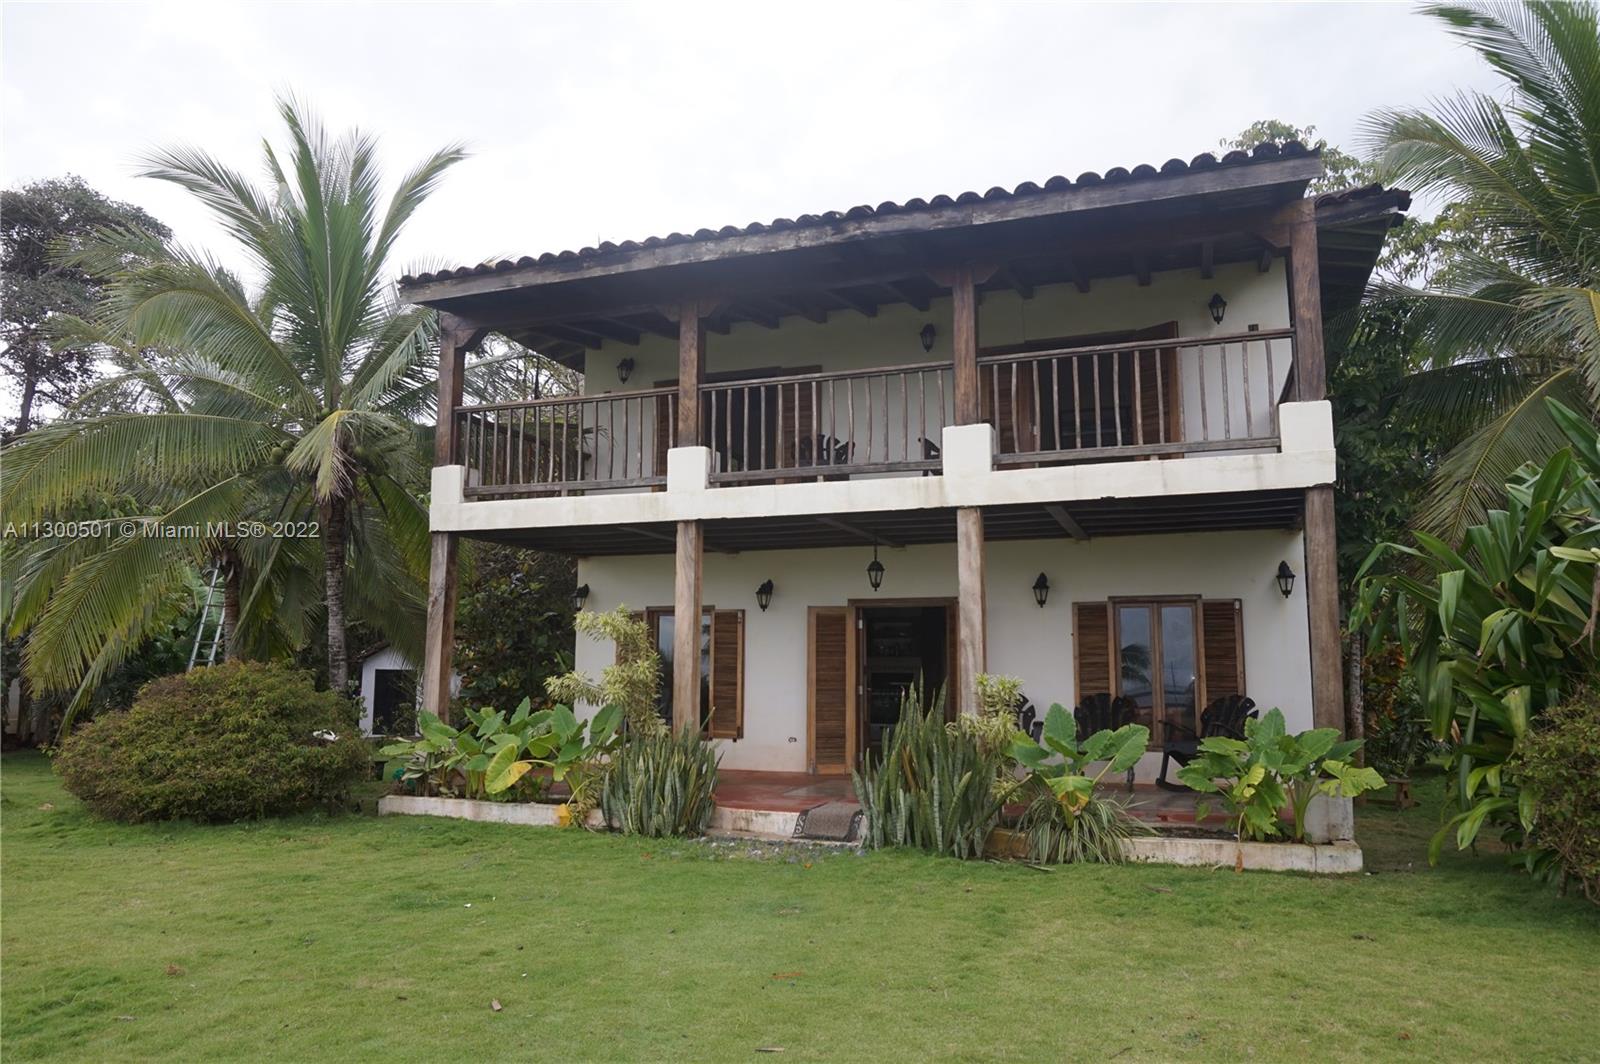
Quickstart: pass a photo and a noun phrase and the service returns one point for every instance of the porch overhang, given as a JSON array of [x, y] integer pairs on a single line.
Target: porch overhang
[[1185, 215]]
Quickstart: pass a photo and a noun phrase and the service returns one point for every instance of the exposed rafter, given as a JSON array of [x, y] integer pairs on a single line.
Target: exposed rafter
[[612, 331], [574, 335], [1009, 276], [906, 292], [1068, 523], [850, 302], [857, 531], [1208, 252]]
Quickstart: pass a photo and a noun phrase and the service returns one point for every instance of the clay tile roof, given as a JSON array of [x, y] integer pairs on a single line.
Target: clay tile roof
[[1172, 167]]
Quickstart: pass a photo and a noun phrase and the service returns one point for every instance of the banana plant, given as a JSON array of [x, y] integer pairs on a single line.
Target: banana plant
[[559, 742], [1270, 770], [1069, 779]]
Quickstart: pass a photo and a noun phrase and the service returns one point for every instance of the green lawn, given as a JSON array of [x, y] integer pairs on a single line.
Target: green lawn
[[358, 938]]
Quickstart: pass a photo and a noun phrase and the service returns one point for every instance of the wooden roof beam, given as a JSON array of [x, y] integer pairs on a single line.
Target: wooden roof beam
[[745, 309], [574, 335], [805, 310], [904, 290], [668, 537], [1141, 269], [1068, 523], [1009, 276], [1079, 278], [1208, 253], [613, 331], [655, 328], [850, 302], [857, 531]]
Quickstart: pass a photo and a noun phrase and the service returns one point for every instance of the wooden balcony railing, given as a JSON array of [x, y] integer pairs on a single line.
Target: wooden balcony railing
[[1169, 397], [1184, 395], [568, 443], [880, 420]]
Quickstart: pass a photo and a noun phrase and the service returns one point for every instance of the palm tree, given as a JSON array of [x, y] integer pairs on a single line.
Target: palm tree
[[1513, 316], [302, 402]]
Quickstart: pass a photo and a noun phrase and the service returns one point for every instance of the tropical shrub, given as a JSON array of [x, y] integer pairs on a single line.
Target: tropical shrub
[[661, 785], [631, 683], [994, 726], [513, 624], [1270, 770], [1502, 630], [1558, 764], [933, 788], [1065, 819], [575, 752], [229, 742], [1395, 724]]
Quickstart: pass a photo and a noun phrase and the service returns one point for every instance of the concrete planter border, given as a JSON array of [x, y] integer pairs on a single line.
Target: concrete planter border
[[1334, 858], [528, 814]]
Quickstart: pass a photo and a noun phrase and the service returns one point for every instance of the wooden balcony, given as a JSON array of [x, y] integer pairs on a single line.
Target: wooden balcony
[[1165, 397]]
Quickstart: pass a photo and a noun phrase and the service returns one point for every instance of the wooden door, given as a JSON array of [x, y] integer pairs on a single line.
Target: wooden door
[[830, 689]]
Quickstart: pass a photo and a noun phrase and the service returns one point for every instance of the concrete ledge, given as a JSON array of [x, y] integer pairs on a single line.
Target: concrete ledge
[[530, 814], [1338, 858], [764, 822]]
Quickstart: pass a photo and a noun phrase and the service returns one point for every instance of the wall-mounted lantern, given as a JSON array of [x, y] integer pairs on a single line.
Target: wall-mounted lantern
[[1041, 590], [1285, 579], [580, 594], [927, 335], [1218, 307], [875, 570], [624, 370], [764, 595]]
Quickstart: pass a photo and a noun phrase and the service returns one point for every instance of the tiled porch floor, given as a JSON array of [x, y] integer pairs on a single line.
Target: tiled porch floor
[[795, 792]]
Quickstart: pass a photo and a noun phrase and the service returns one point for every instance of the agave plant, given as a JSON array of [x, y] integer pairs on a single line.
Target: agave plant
[[302, 400], [1515, 318]]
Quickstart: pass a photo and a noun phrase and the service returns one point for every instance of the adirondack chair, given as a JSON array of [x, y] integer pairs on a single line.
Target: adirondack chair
[[1223, 717], [1028, 718], [1101, 711]]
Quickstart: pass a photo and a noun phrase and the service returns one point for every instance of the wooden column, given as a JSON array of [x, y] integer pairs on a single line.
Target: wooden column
[[1322, 544], [456, 338], [686, 627], [1305, 302], [964, 342], [690, 546], [439, 648], [1322, 602], [971, 637], [691, 370]]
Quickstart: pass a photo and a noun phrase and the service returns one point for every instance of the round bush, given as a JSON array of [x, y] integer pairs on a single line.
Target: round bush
[[229, 742]]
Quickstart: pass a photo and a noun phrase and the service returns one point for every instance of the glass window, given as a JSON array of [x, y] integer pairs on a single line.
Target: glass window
[[1158, 664], [665, 629]]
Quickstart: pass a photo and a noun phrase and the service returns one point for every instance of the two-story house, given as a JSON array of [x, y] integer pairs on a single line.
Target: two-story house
[[1073, 432]]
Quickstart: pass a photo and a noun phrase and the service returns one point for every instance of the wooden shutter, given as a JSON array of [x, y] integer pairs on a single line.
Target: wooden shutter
[[727, 675], [1091, 639], [829, 692], [1222, 649]]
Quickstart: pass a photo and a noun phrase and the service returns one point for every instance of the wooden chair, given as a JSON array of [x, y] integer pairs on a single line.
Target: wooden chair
[[1101, 711], [1028, 718], [1224, 717]]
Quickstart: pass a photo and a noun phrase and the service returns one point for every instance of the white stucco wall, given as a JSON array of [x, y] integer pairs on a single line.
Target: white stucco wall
[[387, 658], [1023, 640]]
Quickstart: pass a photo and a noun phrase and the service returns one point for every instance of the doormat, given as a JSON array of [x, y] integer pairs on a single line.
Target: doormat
[[829, 822]]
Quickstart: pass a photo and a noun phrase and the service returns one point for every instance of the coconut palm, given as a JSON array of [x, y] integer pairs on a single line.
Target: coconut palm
[[1513, 316], [301, 402]]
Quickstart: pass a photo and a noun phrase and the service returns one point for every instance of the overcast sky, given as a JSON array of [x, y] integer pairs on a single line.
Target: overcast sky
[[597, 121]]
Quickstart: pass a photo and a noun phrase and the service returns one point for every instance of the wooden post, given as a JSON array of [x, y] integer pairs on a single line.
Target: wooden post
[[691, 371], [456, 338], [1322, 601], [439, 648], [686, 627], [1305, 302], [1322, 544], [964, 341], [971, 639]]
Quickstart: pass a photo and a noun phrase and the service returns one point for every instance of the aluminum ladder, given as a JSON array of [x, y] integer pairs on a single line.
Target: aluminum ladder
[[210, 618]]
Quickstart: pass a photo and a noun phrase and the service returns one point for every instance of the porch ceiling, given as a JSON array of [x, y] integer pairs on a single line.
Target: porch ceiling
[[1044, 520]]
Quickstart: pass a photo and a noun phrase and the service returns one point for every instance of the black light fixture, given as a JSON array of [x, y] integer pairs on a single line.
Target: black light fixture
[[927, 334], [875, 570], [624, 370], [764, 595], [1218, 307], [1285, 579], [1041, 590], [579, 595]]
